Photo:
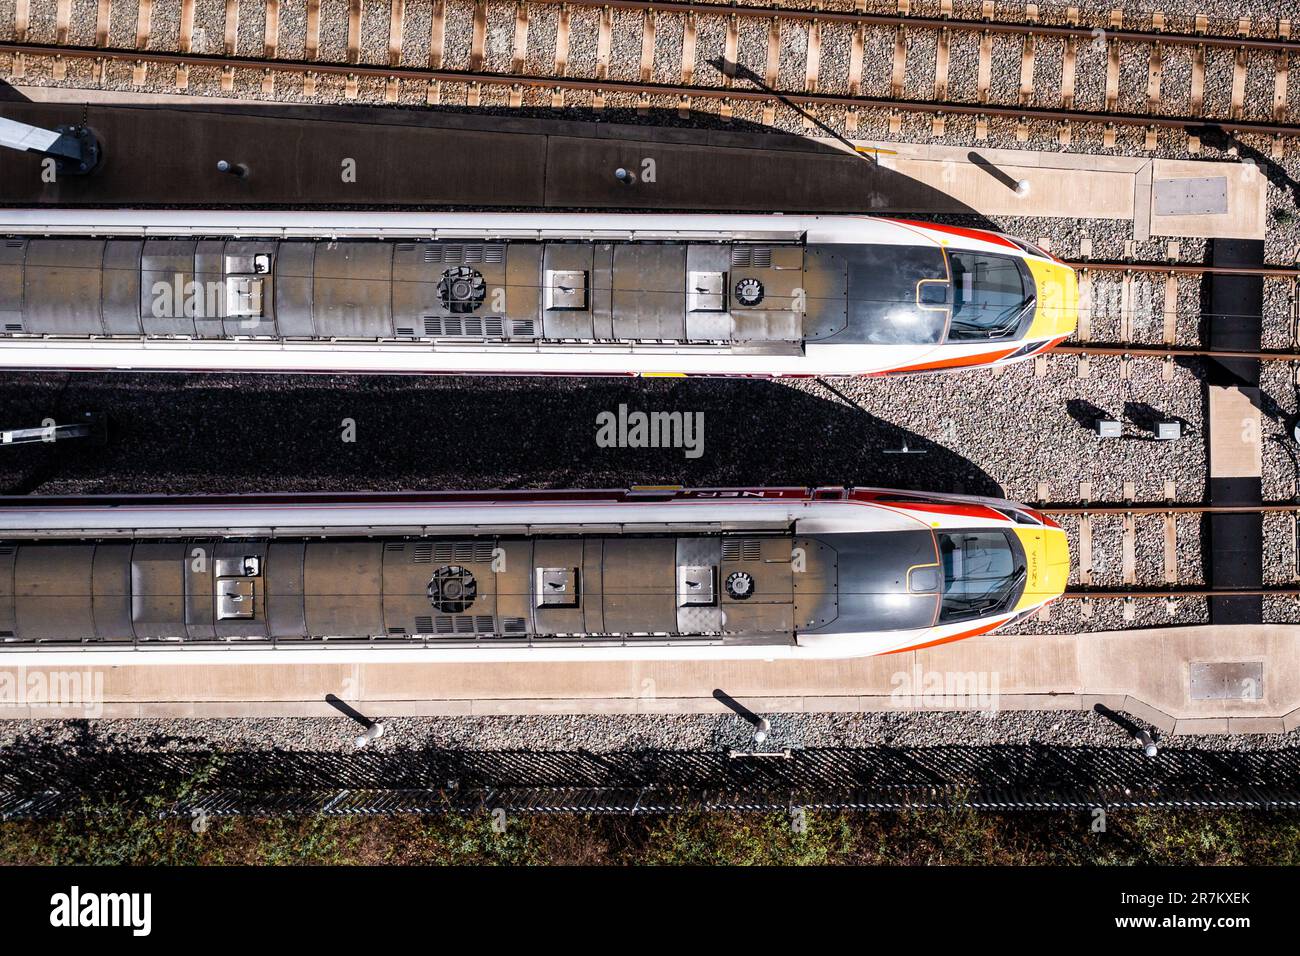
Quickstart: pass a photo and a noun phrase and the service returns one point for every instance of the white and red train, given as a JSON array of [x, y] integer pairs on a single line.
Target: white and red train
[[519, 293], [646, 573]]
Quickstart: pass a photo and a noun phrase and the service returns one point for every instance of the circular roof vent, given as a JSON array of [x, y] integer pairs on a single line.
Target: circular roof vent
[[461, 289], [740, 585], [452, 589], [749, 292]]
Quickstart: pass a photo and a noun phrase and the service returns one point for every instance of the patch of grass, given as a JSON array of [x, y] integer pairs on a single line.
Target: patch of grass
[[104, 834], [104, 830]]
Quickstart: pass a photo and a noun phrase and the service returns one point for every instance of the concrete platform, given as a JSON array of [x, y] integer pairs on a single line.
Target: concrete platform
[[166, 154], [1004, 673], [1235, 428], [1085, 186], [426, 157]]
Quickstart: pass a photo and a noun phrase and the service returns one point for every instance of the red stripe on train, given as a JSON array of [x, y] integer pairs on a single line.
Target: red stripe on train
[[981, 234], [948, 640]]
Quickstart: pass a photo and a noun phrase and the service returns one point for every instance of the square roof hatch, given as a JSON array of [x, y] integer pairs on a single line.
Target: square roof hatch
[[243, 296], [234, 599], [556, 587], [566, 289], [695, 585], [706, 292]]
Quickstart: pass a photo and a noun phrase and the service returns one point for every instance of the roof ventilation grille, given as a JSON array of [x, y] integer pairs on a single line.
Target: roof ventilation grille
[[741, 549], [751, 257], [459, 550]]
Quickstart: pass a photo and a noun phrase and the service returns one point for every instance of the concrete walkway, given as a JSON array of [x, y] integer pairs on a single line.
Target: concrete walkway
[[1174, 198], [1050, 672], [439, 157]]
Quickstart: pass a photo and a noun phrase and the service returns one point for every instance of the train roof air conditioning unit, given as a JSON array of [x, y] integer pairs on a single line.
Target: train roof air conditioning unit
[[452, 589], [461, 289]]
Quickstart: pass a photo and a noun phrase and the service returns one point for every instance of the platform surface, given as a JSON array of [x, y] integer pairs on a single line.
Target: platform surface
[[1042, 672], [431, 157], [1235, 428], [167, 153], [1088, 186]]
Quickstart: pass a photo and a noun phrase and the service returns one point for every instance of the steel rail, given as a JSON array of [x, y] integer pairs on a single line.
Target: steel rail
[[953, 24], [1186, 268], [1138, 593], [1166, 509], [805, 99], [1086, 593], [1159, 351]]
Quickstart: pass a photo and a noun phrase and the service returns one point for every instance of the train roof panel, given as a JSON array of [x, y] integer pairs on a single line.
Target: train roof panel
[[887, 581], [896, 295]]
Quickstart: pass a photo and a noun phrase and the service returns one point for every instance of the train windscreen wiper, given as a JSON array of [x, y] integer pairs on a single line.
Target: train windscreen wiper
[[1013, 588], [996, 330], [1014, 580], [1019, 314]]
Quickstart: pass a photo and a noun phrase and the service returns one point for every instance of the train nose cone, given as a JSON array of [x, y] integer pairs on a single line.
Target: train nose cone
[[1057, 311], [1047, 564]]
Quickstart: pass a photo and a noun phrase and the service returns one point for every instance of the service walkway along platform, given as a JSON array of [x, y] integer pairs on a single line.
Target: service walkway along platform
[[1192, 680], [295, 155], [1174, 198]]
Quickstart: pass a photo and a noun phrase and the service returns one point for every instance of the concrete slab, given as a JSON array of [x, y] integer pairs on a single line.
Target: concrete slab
[[1234, 432], [1041, 672], [1084, 186], [1106, 666], [1256, 725], [1200, 725], [986, 180], [1245, 200], [1145, 712], [1142, 186], [1109, 701]]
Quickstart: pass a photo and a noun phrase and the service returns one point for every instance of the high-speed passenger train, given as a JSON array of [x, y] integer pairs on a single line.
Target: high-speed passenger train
[[520, 294], [646, 573]]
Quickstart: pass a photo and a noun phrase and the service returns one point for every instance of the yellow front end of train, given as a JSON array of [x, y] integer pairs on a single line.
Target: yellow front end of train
[[1056, 315]]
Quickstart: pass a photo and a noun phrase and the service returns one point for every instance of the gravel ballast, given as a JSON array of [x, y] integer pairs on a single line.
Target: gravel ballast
[[899, 729]]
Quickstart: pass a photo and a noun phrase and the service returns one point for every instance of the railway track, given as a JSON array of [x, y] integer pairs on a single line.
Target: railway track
[[1132, 309], [1147, 540], [829, 64]]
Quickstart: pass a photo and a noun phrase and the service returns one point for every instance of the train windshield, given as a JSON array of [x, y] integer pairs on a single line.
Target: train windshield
[[897, 295], [991, 297], [983, 573]]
